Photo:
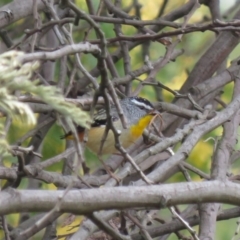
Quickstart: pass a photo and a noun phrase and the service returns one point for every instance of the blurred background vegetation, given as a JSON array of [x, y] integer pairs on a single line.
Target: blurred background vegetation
[[172, 75]]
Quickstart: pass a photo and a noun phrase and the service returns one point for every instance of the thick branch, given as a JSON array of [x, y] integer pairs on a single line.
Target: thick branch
[[18, 10], [86, 201]]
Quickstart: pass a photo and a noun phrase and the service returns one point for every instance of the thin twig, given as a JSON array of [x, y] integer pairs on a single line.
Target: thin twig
[[186, 224], [105, 227], [5, 228]]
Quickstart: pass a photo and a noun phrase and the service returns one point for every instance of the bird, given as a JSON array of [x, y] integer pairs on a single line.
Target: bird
[[138, 112]]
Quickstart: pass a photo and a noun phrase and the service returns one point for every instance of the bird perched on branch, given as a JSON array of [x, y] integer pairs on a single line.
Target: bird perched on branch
[[138, 112]]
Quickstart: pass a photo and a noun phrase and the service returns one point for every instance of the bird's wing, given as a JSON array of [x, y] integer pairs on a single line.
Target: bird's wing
[[99, 119]]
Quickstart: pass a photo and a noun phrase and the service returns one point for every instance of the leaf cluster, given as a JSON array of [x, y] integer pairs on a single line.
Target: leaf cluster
[[16, 78]]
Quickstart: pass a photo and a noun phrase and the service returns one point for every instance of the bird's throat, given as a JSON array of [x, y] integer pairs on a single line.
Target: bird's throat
[[137, 130]]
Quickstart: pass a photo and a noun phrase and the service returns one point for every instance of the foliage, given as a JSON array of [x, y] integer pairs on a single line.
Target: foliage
[[16, 77]]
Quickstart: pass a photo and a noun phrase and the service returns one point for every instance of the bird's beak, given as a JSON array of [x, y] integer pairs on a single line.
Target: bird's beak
[[154, 112]]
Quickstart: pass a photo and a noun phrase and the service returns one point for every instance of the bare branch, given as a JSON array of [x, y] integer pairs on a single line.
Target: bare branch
[[87, 201]]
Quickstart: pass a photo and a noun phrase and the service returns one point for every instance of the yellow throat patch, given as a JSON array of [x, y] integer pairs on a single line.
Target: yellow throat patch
[[137, 129]]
